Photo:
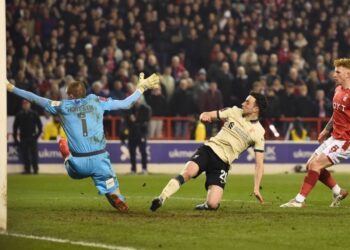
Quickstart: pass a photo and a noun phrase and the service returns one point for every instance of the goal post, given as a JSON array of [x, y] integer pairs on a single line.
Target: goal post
[[3, 118]]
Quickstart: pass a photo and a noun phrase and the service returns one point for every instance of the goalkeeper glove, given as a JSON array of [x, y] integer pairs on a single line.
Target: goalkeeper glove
[[150, 82], [9, 87]]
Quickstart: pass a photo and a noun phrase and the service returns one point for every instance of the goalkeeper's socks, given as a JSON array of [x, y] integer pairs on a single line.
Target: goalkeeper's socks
[[64, 149]]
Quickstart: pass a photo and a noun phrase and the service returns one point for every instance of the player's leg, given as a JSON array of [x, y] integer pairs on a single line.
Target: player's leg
[[159, 129], [144, 161], [191, 170], [74, 169], [214, 197], [314, 169], [34, 155], [327, 179], [25, 151], [216, 177], [339, 193], [106, 181], [117, 200], [132, 152]]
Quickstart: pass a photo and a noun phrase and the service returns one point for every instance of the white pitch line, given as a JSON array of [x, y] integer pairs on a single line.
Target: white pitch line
[[195, 199], [151, 197], [65, 241]]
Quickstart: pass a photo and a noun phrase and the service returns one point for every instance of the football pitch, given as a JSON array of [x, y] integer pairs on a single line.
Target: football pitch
[[60, 213]]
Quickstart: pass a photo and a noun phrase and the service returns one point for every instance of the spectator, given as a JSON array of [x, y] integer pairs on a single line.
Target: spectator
[[225, 84], [242, 85], [202, 35], [304, 105], [322, 104], [177, 68], [298, 132], [137, 119], [272, 75], [182, 105], [53, 130], [200, 87], [288, 106], [27, 123], [169, 83], [157, 101], [212, 100]]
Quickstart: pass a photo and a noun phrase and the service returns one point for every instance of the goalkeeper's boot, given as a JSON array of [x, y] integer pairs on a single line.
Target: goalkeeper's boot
[[63, 146], [339, 197], [156, 203], [204, 206], [118, 201], [293, 203]]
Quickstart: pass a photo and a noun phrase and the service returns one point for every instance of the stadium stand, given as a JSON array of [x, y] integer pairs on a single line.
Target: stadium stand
[[282, 48]]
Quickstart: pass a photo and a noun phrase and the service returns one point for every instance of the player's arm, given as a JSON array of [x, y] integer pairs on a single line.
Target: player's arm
[[124, 104], [150, 82], [211, 116], [259, 171], [326, 131], [41, 101]]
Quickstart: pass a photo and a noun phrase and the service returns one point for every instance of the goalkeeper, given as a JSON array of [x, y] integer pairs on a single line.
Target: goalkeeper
[[81, 117]]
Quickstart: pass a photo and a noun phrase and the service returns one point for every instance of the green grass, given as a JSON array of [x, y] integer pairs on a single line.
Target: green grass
[[56, 206]]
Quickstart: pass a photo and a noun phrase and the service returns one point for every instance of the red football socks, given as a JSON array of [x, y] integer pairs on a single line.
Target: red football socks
[[64, 149], [327, 179], [309, 182]]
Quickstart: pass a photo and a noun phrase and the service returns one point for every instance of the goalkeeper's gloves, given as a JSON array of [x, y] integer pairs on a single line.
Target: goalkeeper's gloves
[[9, 87], [150, 82]]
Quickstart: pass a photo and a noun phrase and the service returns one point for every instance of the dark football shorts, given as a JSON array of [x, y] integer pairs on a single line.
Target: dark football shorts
[[216, 170]]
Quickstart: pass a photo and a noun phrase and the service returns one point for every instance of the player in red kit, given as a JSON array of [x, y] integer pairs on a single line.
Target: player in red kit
[[336, 148]]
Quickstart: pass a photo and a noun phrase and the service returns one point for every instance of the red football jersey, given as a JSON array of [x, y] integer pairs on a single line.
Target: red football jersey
[[341, 114]]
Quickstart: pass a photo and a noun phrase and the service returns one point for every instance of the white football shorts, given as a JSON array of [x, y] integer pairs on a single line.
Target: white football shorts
[[335, 150]]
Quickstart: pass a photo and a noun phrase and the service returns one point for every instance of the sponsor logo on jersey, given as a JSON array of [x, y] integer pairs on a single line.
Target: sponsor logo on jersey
[[240, 132], [55, 103], [338, 106], [103, 99]]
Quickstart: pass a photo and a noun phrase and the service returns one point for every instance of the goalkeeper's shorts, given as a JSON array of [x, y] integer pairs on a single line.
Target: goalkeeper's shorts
[[98, 167]]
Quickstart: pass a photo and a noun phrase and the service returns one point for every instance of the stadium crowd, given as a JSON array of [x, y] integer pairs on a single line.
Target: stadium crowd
[[210, 54]]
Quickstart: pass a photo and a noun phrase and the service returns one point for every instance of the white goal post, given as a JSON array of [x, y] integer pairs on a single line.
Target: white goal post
[[3, 117]]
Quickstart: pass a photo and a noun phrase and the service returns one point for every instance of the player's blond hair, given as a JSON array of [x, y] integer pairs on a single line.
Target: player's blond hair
[[342, 62], [76, 89]]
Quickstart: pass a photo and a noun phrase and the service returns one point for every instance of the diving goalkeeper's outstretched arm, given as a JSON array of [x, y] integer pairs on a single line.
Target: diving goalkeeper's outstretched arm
[[41, 101]]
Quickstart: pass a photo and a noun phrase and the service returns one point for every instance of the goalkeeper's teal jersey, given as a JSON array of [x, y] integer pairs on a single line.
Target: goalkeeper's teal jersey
[[82, 119]]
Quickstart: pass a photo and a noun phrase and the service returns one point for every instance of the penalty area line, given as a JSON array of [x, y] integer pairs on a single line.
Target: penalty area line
[[65, 241], [196, 199]]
